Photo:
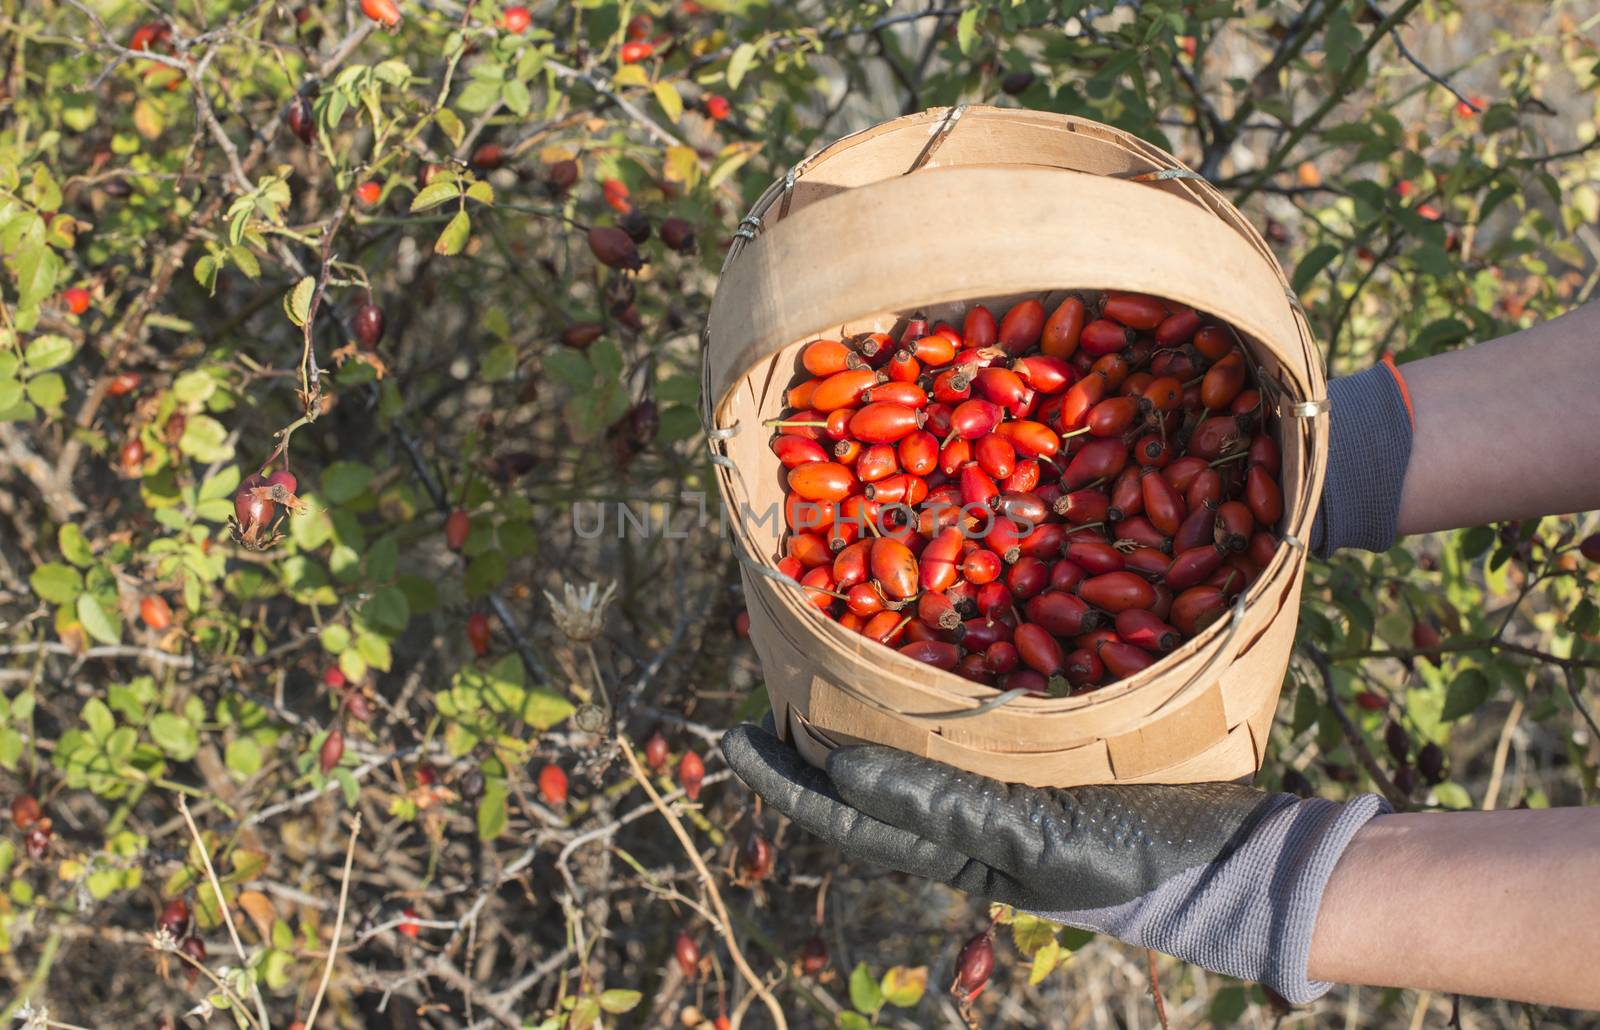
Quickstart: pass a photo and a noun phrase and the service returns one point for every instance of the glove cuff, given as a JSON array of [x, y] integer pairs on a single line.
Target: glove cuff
[[1369, 447], [1312, 836], [1251, 914]]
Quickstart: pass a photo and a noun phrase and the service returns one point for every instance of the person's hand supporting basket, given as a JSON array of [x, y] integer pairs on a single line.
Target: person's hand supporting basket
[[1293, 893]]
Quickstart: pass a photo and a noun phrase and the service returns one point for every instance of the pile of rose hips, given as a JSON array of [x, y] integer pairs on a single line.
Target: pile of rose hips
[[1041, 502]]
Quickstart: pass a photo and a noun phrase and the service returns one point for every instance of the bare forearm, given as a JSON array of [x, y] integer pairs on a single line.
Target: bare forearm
[[1500, 904], [1505, 430]]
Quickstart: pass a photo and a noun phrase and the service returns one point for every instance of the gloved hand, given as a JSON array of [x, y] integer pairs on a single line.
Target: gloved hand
[[1221, 875]]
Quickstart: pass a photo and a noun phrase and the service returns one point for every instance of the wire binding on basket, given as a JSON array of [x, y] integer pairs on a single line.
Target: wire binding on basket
[[749, 225], [1309, 409], [788, 191], [936, 137], [1160, 175]]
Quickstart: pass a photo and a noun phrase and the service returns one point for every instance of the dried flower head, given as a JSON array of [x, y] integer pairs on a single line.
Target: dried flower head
[[581, 613]]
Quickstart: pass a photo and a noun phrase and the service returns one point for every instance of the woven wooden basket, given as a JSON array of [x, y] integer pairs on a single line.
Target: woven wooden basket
[[934, 212]]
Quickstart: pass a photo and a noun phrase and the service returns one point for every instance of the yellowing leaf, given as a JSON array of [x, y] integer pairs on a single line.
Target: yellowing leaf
[[297, 304], [259, 908], [740, 63], [1031, 933], [903, 986], [671, 103], [147, 119], [967, 29], [454, 236], [630, 75], [682, 165], [734, 158]]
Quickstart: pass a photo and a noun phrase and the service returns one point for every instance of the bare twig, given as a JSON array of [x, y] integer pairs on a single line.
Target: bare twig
[[222, 903], [1502, 748], [1352, 734], [179, 661], [1416, 63], [338, 922], [710, 884], [1409, 653], [1155, 987], [1337, 94]]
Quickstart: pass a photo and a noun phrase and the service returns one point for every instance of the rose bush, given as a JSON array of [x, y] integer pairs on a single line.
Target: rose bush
[[319, 319]]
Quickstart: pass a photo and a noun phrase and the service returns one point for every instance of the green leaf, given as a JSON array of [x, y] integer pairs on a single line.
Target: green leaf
[[103, 626], [435, 193], [194, 387], [344, 481], [479, 95], [484, 573], [56, 583], [205, 439], [1475, 541], [1440, 333], [678, 422], [175, 735], [543, 708], [865, 994], [1453, 795], [967, 29], [743, 57], [99, 719], [492, 810], [1228, 1004], [205, 272], [853, 1021], [297, 303], [903, 986], [617, 1001], [335, 638], [1316, 260], [454, 236], [482, 192], [74, 546], [49, 351], [374, 650], [584, 1013], [569, 365], [671, 103], [500, 363], [47, 390], [450, 125], [1466, 693], [243, 757], [387, 609], [222, 485], [514, 94], [10, 394]]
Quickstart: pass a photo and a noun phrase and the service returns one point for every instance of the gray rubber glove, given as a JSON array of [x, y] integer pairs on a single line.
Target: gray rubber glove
[[1221, 875]]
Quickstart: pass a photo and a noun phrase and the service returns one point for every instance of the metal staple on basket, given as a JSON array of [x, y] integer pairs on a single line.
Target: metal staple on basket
[[937, 136]]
